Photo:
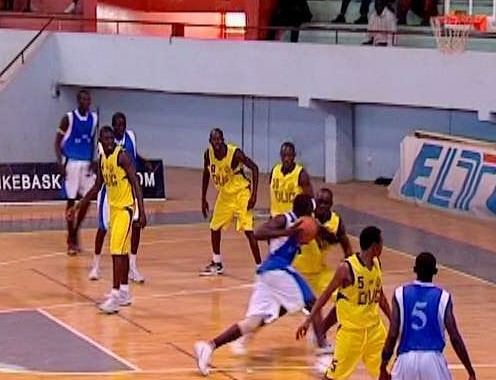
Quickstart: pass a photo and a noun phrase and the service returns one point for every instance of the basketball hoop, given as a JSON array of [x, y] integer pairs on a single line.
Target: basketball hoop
[[453, 31]]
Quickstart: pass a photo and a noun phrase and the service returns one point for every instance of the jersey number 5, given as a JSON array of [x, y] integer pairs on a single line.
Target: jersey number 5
[[418, 315]]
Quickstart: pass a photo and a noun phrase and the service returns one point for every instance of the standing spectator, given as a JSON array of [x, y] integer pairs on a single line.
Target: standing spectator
[[425, 9], [382, 25], [364, 11], [8, 5], [290, 13]]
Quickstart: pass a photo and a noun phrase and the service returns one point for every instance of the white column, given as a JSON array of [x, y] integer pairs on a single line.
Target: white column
[[338, 145]]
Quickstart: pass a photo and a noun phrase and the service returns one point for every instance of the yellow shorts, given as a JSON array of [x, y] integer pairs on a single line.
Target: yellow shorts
[[351, 345], [228, 207], [121, 220]]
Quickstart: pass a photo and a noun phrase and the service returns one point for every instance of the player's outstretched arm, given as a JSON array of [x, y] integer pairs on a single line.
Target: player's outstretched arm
[[205, 181], [125, 162], [344, 240], [239, 156], [457, 340], [305, 183], [392, 337], [274, 228], [340, 277]]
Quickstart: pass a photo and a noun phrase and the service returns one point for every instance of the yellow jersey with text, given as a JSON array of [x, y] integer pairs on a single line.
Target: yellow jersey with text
[[119, 190], [283, 189], [357, 305], [312, 258], [226, 179]]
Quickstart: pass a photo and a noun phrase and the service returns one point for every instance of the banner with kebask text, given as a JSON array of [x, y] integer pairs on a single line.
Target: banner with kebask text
[[37, 182], [448, 173]]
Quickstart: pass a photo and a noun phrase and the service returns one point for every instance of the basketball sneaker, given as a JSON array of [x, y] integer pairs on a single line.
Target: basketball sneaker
[[110, 305], [322, 362], [203, 354], [136, 276], [94, 273], [212, 269], [72, 248], [125, 298]]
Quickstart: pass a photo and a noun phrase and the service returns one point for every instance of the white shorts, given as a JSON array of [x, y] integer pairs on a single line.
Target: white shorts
[[103, 210], [79, 179], [420, 365], [275, 289]]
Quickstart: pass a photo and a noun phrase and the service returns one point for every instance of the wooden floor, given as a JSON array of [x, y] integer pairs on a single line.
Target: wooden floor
[[176, 307]]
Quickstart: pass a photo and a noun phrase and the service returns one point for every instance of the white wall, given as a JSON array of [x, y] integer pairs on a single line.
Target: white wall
[[11, 43], [175, 127], [29, 114], [401, 76]]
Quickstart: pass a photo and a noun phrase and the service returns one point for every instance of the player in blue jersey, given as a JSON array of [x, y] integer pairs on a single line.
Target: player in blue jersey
[[74, 149], [421, 313], [278, 289], [127, 139]]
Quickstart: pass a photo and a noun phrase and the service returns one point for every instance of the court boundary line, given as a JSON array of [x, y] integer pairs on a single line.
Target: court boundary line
[[85, 296], [133, 367], [220, 370], [456, 271], [178, 293], [61, 253]]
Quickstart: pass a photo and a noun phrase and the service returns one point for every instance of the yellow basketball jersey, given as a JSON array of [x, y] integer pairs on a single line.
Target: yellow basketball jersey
[[283, 189], [119, 190], [357, 305], [226, 179], [311, 259]]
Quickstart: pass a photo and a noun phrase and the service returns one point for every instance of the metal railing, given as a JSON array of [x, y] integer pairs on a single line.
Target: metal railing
[[21, 54], [61, 22]]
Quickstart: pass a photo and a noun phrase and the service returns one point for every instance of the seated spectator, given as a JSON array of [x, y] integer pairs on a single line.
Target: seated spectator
[[425, 9], [382, 25], [290, 13]]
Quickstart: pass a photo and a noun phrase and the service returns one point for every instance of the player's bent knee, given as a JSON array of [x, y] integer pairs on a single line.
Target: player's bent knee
[[250, 324]]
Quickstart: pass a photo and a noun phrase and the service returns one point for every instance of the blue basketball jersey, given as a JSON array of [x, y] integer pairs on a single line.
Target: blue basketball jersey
[[422, 310], [282, 250], [128, 142], [78, 141]]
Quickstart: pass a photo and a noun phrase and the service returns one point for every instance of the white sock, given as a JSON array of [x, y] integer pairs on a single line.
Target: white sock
[[96, 261], [132, 261], [217, 259], [124, 288], [114, 293]]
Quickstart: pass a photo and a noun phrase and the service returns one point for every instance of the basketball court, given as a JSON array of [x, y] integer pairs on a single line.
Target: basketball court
[[51, 329]]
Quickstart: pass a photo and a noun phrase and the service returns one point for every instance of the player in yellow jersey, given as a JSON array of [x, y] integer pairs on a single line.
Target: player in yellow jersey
[[361, 334], [287, 180], [312, 263], [118, 173], [236, 196]]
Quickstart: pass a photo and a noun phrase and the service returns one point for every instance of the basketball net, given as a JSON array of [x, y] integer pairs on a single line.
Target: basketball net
[[453, 31], [450, 33]]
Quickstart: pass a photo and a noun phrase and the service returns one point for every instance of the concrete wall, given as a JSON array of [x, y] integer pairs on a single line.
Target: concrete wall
[[256, 92]]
